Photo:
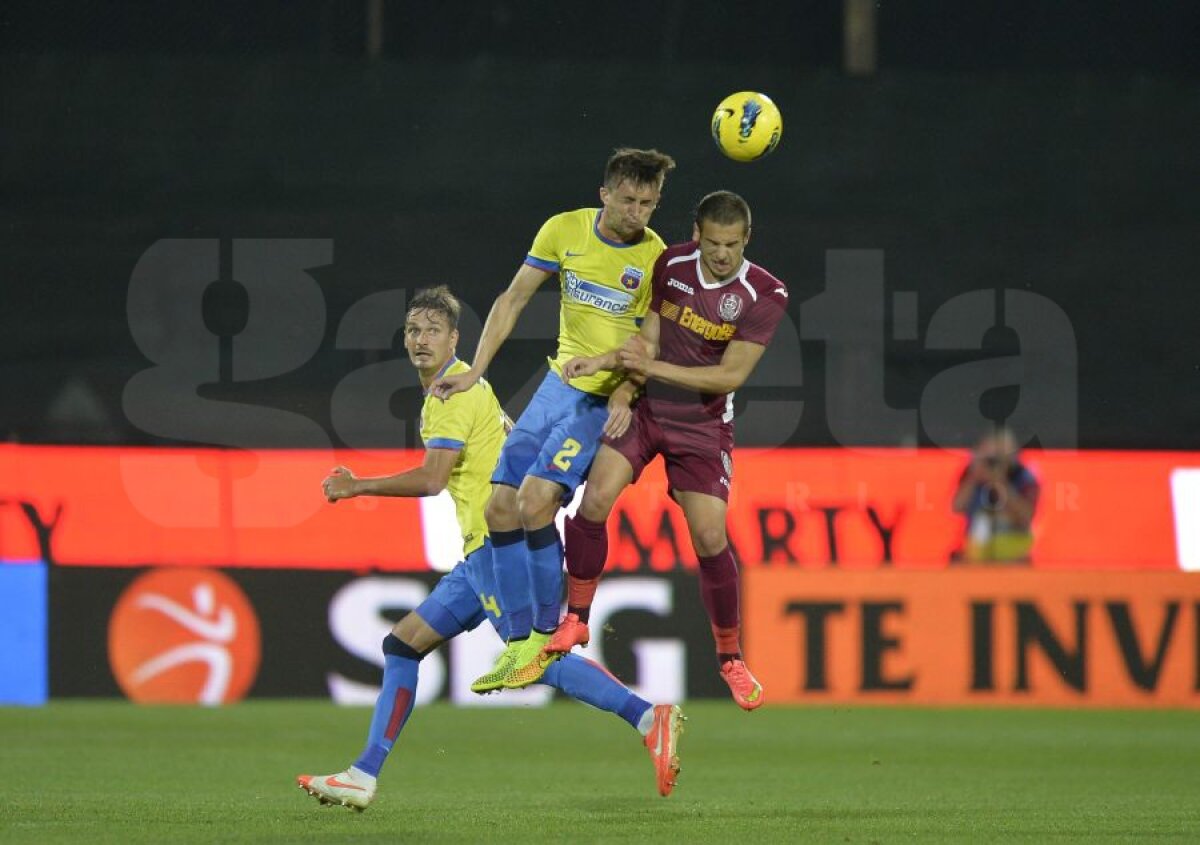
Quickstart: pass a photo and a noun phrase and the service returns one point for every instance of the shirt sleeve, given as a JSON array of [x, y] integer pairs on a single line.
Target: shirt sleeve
[[445, 425], [546, 252], [764, 316]]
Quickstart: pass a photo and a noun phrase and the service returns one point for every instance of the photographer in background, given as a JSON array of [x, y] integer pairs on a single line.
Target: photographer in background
[[998, 496]]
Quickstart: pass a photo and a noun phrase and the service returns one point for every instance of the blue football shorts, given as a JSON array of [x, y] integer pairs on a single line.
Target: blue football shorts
[[556, 438], [464, 597]]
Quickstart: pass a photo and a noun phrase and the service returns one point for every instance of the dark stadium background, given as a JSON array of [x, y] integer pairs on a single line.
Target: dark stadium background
[[1048, 148]]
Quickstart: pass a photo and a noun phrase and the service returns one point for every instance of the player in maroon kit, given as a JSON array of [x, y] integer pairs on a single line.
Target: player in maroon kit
[[711, 317]]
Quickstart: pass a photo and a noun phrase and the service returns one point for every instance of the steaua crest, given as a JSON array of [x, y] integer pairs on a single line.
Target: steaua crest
[[632, 278]]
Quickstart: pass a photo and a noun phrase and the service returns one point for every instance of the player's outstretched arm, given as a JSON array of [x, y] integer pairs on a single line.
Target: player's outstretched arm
[[737, 363], [587, 365], [499, 325], [429, 479]]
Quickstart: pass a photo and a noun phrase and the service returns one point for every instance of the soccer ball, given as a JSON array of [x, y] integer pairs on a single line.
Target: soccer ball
[[747, 125]]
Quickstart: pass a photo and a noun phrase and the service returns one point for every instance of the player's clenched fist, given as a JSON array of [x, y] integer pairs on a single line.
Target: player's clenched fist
[[635, 355], [340, 485], [447, 386], [580, 367]]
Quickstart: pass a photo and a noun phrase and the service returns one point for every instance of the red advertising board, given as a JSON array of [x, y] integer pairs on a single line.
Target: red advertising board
[[810, 508]]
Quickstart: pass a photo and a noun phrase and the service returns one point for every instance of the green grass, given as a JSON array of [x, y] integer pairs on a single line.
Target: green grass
[[109, 772]]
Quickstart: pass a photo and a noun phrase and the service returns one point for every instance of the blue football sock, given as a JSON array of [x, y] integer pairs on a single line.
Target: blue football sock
[[586, 681], [511, 569], [487, 579], [545, 572], [392, 708]]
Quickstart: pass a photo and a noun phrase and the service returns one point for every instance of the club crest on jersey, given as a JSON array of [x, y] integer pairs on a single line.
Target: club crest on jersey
[[729, 306], [631, 279]]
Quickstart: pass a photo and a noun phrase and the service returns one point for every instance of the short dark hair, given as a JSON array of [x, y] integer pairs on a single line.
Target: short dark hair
[[437, 299], [641, 167], [723, 207]]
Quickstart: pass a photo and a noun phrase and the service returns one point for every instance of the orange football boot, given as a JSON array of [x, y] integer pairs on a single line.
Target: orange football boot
[[747, 692], [569, 633], [663, 744]]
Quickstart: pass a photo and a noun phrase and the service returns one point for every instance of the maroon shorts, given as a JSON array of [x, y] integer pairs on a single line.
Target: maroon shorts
[[698, 454]]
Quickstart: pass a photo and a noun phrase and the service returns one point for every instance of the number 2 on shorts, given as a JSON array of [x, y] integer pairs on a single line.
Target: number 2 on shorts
[[571, 447]]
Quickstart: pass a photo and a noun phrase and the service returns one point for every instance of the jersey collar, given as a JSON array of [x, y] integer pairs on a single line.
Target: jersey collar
[[453, 360], [739, 276], [617, 244]]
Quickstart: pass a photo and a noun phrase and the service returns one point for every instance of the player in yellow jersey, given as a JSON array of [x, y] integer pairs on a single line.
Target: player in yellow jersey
[[604, 258], [463, 436]]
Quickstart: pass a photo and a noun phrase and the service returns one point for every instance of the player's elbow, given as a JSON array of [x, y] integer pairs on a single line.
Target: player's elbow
[[729, 382], [433, 484], [433, 487]]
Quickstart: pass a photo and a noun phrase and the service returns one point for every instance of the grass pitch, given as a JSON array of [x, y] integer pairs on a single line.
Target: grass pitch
[[112, 772]]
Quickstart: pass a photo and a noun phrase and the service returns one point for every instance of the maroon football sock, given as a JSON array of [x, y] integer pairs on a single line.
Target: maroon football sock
[[586, 552], [719, 589]]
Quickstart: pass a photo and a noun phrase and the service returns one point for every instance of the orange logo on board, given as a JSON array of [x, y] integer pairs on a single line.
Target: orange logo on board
[[187, 636]]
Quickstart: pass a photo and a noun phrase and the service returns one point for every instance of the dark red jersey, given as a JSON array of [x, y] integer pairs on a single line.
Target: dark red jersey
[[697, 320]]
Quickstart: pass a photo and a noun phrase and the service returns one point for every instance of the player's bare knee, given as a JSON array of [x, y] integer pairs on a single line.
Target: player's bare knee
[[536, 508], [709, 540], [597, 504], [501, 511], [416, 633]]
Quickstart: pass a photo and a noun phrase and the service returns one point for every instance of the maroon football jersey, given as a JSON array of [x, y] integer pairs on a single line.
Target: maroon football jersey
[[697, 321]]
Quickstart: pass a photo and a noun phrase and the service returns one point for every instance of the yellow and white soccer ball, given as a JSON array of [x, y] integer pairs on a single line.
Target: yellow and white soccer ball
[[747, 125]]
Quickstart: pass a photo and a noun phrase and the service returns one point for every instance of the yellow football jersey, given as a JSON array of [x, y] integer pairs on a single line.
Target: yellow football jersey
[[605, 288], [473, 424]]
